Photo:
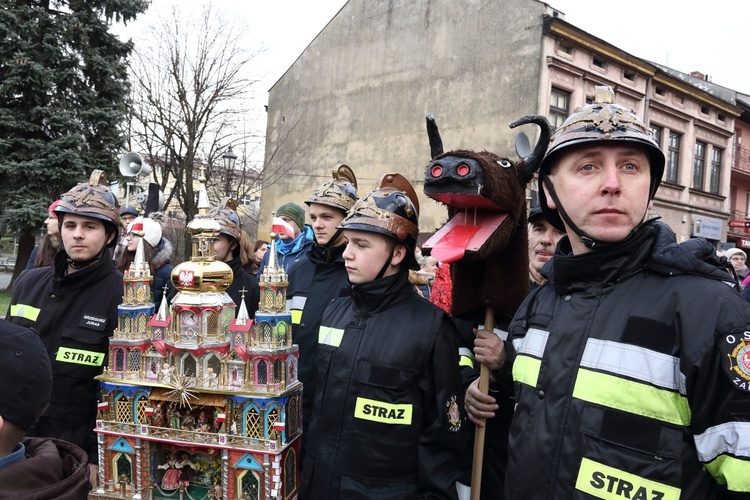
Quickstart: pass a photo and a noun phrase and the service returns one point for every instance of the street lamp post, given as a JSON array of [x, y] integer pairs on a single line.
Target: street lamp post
[[229, 158]]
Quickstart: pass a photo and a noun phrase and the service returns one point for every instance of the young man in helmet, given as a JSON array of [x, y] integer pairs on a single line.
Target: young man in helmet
[[227, 249], [630, 363], [73, 307], [319, 277], [387, 412]]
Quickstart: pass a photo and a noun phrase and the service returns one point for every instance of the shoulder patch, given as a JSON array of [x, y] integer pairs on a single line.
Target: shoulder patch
[[454, 414], [735, 350]]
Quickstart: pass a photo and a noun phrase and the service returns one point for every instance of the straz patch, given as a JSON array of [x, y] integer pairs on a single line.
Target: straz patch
[[93, 322], [736, 362], [385, 413], [602, 481], [80, 357], [454, 414]]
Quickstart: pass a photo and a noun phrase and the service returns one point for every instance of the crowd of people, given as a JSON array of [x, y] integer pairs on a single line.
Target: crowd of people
[[625, 373]]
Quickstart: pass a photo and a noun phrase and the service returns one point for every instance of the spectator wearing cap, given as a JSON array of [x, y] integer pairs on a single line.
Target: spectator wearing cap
[[738, 258], [543, 238], [73, 306], [290, 249], [157, 251], [44, 253], [32, 467], [127, 215]]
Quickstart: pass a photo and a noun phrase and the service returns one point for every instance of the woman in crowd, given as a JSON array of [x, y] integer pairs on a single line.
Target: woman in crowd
[[44, 253], [156, 250]]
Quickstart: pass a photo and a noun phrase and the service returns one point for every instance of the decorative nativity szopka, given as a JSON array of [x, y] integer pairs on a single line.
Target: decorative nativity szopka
[[196, 403]]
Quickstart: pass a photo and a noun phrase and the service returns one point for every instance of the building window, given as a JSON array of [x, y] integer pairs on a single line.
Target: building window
[[656, 132], [246, 200], [699, 164], [673, 157], [599, 62], [715, 181], [660, 91], [558, 106], [747, 206]]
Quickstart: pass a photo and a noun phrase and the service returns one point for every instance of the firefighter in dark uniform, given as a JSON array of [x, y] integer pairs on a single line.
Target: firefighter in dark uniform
[[319, 277], [73, 306], [631, 363], [227, 249], [387, 414]]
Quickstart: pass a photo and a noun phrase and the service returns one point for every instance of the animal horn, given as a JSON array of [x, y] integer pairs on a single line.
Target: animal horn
[[436, 143], [534, 160]]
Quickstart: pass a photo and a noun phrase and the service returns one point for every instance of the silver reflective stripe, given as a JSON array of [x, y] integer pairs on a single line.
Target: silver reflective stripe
[[639, 363], [730, 437], [500, 333], [297, 302], [533, 343], [463, 351]]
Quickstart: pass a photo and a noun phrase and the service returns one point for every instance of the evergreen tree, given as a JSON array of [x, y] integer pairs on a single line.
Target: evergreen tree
[[63, 91]]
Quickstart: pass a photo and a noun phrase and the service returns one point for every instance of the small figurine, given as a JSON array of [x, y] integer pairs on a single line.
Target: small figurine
[[171, 478], [186, 467], [157, 419], [211, 380], [166, 373], [188, 423], [202, 423]]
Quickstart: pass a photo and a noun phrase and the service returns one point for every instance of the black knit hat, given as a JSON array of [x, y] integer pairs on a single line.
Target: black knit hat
[[26, 374]]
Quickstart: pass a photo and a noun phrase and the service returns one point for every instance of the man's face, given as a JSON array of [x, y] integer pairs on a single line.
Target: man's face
[[83, 237], [127, 219], [366, 253], [603, 188], [325, 220], [297, 229], [543, 239]]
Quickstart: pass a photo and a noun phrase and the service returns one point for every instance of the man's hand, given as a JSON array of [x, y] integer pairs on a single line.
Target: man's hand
[[489, 349], [479, 406]]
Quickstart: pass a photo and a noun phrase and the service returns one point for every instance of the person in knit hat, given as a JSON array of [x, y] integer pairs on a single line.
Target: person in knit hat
[[32, 467], [290, 249]]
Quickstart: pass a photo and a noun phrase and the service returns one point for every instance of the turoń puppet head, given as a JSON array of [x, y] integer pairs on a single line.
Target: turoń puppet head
[[485, 236]]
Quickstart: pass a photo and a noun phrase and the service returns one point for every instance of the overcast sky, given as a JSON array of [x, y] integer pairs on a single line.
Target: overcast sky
[[678, 34]]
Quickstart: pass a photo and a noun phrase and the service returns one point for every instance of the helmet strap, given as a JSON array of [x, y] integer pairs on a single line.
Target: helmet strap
[[387, 262], [82, 265]]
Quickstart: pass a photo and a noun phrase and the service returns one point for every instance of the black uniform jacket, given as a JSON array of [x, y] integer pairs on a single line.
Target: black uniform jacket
[[247, 282], [388, 401], [75, 314], [313, 283], [628, 375]]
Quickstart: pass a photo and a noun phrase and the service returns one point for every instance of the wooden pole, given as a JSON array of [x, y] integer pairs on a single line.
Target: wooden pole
[[484, 386]]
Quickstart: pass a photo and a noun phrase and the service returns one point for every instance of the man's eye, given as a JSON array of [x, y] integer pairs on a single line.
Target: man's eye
[[587, 168], [630, 167]]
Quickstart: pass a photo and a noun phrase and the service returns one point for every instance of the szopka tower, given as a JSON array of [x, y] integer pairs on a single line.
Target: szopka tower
[[201, 404]]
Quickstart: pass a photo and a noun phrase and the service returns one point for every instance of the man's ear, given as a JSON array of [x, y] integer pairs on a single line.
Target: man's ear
[[550, 201], [399, 254]]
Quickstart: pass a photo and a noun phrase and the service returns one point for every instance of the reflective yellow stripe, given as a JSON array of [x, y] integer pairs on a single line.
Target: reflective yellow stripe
[[606, 482], [386, 413], [466, 361], [330, 336], [80, 357], [296, 316], [526, 370], [24, 311], [633, 397], [730, 471]]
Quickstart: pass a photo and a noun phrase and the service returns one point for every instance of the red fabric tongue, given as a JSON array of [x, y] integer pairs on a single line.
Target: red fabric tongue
[[456, 237]]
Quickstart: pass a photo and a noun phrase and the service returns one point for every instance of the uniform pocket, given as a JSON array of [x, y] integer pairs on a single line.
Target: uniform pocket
[[628, 453], [82, 353]]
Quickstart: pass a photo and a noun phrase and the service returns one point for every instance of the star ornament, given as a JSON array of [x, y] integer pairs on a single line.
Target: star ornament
[[181, 386]]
